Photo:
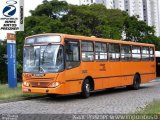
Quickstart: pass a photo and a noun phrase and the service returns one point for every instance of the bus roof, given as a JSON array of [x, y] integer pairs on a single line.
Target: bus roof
[[93, 38]]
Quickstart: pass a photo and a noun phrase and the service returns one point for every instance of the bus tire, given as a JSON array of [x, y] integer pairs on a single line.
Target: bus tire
[[85, 89], [136, 83]]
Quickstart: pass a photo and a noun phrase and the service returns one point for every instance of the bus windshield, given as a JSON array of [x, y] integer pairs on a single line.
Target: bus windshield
[[43, 59]]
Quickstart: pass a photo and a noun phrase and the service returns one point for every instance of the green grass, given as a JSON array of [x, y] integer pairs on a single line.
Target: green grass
[[152, 111], [152, 108], [16, 93]]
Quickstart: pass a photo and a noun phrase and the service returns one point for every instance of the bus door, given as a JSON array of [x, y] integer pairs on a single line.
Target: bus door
[[72, 64]]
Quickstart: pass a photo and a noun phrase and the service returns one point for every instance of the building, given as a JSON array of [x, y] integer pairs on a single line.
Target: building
[[119, 4], [88, 2], [134, 8], [146, 10]]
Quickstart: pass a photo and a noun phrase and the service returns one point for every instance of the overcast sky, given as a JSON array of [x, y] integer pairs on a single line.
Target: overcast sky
[[31, 5]]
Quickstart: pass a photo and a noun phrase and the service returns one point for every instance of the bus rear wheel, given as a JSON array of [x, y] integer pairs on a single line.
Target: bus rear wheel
[[136, 83], [85, 89]]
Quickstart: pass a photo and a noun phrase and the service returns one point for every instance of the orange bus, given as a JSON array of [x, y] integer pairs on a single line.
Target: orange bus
[[65, 64]]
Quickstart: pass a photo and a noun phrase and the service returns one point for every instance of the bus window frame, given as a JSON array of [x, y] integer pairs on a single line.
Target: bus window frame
[[107, 49], [93, 42], [140, 59], [121, 53], [74, 40], [114, 52], [153, 54]]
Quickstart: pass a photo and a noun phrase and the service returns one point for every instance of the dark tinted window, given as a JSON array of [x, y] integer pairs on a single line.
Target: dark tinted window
[[72, 53]]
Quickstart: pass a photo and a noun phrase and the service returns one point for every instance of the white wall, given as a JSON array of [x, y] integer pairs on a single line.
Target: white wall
[[119, 4]]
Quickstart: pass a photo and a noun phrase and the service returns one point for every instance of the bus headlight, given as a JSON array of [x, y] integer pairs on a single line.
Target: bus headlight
[[26, 84], [54, 84]]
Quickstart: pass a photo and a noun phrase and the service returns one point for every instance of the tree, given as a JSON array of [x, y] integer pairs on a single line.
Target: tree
[[3, 62], [95, 20], [136, 30], [152, 40], [53, 9]]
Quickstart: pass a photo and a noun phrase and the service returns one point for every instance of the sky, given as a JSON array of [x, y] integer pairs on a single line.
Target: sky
[[31, 5]]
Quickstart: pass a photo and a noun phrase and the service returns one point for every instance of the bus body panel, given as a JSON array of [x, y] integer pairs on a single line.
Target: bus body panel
[[73, 79], [106, 74]]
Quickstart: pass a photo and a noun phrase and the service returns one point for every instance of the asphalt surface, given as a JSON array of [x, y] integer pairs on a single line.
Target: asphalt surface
[[117, 101]]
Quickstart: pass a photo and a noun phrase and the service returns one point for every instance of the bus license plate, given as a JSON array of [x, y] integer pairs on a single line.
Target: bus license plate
[[25, 90]]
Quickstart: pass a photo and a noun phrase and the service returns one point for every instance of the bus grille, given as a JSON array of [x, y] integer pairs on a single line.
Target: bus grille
[[39, 84]]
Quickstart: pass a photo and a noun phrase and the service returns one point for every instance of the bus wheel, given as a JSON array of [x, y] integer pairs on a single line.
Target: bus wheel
[[85, 89], [136, 83]]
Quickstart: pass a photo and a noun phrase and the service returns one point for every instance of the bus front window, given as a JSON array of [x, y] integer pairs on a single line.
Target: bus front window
[[43, 59]]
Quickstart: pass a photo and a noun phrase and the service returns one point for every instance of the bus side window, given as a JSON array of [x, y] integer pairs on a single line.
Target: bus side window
[[87, 51], [126, 53], [136, 53], [101, 51], [72, 53], [151, 52], [114, 52], [145, 53]]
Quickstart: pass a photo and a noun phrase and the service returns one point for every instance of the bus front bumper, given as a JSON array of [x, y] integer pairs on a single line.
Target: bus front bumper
[[57, 90]]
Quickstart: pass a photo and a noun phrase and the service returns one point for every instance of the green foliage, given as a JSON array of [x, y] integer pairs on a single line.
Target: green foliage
[[53, 9], [152, 109], [3, 62], [152, 40], [137, 30], [95, 20]]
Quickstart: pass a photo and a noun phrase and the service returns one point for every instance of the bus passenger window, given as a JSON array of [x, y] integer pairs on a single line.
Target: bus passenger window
[[87, 51], [101, 51], [126, 53], [136, 53], [145, 53], [151, 54], [72, 53], [114, 52]]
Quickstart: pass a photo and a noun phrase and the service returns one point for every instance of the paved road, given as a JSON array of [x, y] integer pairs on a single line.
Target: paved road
[[116, 101]]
